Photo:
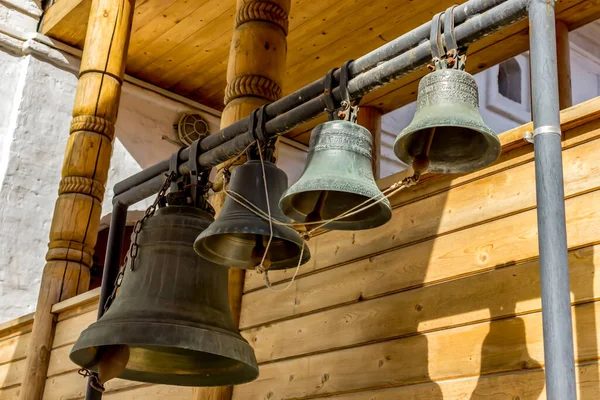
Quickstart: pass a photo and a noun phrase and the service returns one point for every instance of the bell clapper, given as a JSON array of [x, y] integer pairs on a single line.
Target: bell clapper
[[421, 162], [315, 214], [258, 252], [112, 363]]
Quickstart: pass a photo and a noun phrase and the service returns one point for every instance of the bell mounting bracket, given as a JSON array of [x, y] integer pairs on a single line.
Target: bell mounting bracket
[[191, 185], [256, 125], [346, 110], [445, 52]]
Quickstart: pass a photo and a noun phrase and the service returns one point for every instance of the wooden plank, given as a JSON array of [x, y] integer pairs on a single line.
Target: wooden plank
[[500, 346], [493, 295], [12, 373], [163, 22], [522, 385], [184, 78], [68, 331], [341, 247], [16, 327], [59, 362], [153, 392], [76, 302], [187, 29], [337, 23], [13, 393], [350, 40], [66, 21], [146, 11], [73, 386], [14, 348], [506, 193], [187, 60]]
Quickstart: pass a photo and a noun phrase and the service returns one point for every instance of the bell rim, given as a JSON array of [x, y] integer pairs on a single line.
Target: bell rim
[[216, 258], [316, 185], [232, 343]]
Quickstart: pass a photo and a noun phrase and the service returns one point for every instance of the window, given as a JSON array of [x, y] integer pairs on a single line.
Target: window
[[505, 88], [510, 79]]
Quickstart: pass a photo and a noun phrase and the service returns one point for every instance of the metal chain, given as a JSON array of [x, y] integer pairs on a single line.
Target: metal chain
[[131, 255], [133, 250]]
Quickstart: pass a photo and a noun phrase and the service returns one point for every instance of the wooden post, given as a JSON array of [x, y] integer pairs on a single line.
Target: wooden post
[[370, 118], [85, 168], [563, 52], [255, 73]]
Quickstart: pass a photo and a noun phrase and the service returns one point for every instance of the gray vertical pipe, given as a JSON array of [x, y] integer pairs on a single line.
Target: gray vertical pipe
[[552, 234], [112, 261]]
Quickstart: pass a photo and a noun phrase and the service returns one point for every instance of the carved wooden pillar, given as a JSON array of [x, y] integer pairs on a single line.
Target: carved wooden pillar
[[255, 73], [85, 168]]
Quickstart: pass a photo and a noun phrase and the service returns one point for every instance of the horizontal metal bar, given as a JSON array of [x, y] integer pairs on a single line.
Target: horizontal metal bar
[[480, 18], [370, 60], [140, 192], [467, 33]]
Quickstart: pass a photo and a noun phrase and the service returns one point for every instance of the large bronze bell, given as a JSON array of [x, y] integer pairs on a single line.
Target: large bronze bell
[[238, 238], [448, 109], [338, 177], [170, 322]]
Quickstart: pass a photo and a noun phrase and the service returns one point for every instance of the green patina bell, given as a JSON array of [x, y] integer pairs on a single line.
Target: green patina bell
[[170, 322], [448, 108], [338, 177]]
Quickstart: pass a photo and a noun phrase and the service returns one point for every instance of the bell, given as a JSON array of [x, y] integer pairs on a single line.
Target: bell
[[239, 238], [170, 322], [338, 177], [447, 127]]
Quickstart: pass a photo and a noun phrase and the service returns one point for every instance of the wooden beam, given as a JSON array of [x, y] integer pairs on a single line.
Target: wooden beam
[[563, 61], [255, 72], [85, 168], [370, 118]]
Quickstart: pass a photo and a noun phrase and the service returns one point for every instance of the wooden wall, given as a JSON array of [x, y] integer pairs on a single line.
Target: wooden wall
[[14, 338], [440, 303], [443, 302]]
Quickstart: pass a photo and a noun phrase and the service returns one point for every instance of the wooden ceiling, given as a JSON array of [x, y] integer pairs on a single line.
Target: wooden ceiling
[[183, 45]]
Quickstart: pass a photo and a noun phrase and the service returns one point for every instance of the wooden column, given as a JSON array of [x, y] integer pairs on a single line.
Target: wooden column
[[255, 73], [563, 52], [370, 118], [85, 168]]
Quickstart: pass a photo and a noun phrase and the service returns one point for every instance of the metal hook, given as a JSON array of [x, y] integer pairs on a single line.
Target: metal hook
[[449, 37], [435, 40], [328, 93]]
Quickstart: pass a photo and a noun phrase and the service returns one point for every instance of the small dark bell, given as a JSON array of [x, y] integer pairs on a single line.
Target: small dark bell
[[170, 322], [238, 238], [338, 177], [448, 109]]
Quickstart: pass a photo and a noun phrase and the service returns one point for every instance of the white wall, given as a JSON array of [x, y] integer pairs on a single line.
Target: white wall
[[37, 90]]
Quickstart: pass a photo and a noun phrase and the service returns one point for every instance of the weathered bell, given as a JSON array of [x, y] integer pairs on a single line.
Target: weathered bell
[[170, 322], [448, 109], [238, 238], [338, 177]]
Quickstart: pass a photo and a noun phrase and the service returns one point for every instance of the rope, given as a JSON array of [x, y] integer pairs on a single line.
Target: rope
[[264, 175], [244, 202]]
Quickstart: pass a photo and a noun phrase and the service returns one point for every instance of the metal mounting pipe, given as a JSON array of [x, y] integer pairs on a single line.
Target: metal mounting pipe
[[368, 61], [552, 232], [467, 33], [474, 19], [116, 234], [230, 141]]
